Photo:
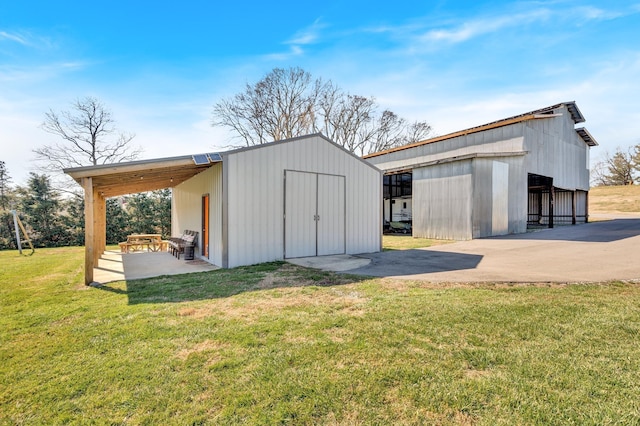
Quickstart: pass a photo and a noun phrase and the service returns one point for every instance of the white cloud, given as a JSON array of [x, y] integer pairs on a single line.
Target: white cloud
[[285, 56], [13, 37], [43, 72], [479, 27], [308, 35]]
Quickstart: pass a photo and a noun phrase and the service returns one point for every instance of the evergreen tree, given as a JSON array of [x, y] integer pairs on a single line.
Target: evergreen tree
[[150, 212], [117, 221], [73, 220], [7, 232], [40, 205], [5, 187], [142, 213], [162, 211]]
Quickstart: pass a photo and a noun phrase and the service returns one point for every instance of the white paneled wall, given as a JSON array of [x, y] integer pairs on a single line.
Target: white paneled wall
[[255, 182], [186, 209], [247, 191]]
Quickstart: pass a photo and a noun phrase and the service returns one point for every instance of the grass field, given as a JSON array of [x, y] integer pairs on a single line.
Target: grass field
[[612, 199], [407, 242], [278, 344]]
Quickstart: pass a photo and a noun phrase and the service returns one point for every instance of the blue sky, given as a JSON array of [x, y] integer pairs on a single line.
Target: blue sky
[[160, 66]]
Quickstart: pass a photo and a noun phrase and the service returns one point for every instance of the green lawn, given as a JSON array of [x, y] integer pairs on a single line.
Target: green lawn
[[276, 343], [406, 242]]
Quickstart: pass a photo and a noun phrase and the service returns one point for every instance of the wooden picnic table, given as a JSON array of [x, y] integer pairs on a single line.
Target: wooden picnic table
[[137, 242]]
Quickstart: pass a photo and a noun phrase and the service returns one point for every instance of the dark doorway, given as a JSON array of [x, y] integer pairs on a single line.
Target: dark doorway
[[397, 209], [205, 225]]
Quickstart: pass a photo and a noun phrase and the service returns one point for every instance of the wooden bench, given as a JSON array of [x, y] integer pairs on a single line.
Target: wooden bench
[[184, 244]]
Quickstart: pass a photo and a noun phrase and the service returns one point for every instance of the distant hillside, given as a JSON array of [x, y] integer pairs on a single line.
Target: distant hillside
[[608, 199]]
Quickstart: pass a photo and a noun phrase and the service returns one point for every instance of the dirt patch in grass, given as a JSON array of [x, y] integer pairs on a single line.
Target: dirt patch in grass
[[205, 346], [274, 301], [472, 373]]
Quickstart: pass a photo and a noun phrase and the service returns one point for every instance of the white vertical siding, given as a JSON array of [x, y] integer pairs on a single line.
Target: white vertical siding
[[186, 209], [556, 150], [562, 207], [442, 201], [300, 210], [552, 146], [255, 182], [331, 215], [500, 198]]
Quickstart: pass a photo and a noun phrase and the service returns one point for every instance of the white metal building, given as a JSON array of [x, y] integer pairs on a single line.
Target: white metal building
[[499, 178], [295, 198]]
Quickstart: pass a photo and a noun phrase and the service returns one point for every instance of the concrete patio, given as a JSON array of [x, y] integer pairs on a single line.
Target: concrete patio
[[116, 266]]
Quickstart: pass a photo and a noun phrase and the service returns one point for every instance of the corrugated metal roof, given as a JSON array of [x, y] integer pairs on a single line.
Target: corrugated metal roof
[[541, 113], [586, 136]]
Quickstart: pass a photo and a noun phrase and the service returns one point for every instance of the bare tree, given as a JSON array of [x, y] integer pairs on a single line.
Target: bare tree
[[616, 169], [89, 138], [289, 103], [279, 106]]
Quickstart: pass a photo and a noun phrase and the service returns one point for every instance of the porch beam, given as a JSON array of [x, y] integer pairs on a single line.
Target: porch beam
[[89, 229]]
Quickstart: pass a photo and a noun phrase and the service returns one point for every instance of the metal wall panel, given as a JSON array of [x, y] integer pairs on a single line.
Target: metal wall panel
[[455, 147], [186, 210], [556, 150], [562, 207], [256, 197], [301, 199], [500, 198], [442, 201], [553, 149], [331, 215]]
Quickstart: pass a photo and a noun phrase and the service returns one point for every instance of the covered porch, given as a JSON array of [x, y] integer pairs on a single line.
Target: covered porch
[[113, 265], [113, 180]]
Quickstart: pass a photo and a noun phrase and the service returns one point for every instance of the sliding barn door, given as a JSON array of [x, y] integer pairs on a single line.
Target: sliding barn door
[[314, 223]]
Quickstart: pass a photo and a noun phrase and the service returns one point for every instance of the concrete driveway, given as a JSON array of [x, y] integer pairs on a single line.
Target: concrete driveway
[[598, 251]]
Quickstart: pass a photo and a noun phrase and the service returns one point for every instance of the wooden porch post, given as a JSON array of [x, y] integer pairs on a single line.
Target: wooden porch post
[[89, 230], [100, 228]]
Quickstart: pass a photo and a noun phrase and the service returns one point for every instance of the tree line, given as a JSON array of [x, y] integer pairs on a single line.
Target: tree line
[[52, 220], [285, 103], [620, 168]]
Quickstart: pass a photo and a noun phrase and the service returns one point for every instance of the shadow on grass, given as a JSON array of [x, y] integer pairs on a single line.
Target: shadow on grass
[[223, 283]]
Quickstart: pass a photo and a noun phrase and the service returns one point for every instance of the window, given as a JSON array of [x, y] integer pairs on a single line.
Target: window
[[398, 185]]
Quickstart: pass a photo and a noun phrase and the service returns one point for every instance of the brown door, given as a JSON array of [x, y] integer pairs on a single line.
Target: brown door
[[205, 225]]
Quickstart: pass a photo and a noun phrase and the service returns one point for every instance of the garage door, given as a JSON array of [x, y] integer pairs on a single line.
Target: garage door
[[314, 214]]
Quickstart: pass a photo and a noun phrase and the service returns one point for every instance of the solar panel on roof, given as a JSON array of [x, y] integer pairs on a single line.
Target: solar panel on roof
[[214, 156], [200, 159]]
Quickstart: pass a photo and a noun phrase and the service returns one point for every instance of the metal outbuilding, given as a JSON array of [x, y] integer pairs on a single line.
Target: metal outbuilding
[[299, 197], [499, 178]]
